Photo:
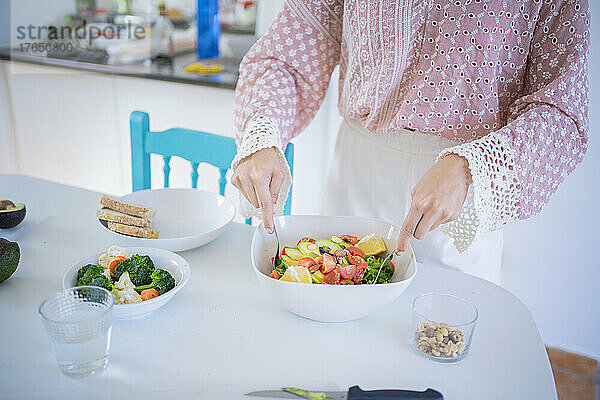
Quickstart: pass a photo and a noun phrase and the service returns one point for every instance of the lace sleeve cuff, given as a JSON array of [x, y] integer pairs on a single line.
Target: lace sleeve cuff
[[493, 199], [262, 133]]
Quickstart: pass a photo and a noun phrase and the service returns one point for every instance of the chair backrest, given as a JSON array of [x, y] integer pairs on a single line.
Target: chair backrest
[[195, 146]]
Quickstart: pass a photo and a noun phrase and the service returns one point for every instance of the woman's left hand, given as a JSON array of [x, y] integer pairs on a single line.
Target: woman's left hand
[[436, 199]]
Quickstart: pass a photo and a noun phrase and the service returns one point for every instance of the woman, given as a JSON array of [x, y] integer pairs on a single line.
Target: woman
[[463, 115]]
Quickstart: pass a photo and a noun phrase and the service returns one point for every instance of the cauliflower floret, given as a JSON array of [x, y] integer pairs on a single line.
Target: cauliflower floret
[[112, 252], [124, 282], [115, 251], [127, 296], [125, 291], [104, 260]]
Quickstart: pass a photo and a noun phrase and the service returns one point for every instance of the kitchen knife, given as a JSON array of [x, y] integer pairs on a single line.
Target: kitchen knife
[[354, 393]]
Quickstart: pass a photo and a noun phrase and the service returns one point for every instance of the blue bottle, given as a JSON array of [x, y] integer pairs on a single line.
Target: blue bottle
[[209, 28]]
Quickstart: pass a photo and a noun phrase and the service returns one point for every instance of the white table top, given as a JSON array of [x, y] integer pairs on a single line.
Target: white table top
[[221, 336]]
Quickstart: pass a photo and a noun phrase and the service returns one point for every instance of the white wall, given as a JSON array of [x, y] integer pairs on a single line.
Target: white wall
[[8, 153], [552, 261]]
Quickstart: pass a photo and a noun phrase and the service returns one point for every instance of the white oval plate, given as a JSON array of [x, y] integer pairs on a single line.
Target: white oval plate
[[185, 218], [164, 259]]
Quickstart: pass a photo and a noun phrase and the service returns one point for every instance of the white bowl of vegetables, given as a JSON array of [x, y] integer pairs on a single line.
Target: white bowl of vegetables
[[142, 279], [329, 265]]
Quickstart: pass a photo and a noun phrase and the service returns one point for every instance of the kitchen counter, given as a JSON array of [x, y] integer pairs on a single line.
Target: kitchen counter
[[158, 70]]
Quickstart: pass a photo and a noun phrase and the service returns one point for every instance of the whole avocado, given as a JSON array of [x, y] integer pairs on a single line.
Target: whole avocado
[[11, 214], [10, 254]]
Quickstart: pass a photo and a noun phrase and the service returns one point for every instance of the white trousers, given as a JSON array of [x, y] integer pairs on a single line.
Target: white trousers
[[372, 176]]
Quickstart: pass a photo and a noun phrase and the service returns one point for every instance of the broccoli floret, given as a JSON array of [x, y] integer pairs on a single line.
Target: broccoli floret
[[103, 282], [139, 267], [162, 281], [88, 273]]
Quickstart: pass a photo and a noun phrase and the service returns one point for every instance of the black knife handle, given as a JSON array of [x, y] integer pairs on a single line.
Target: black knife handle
[[356, 393]]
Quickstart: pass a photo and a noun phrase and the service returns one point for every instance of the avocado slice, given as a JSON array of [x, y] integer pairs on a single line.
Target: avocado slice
[[293, 253], [288, 261], [309, 249], [10, 254], [317, 277], [328, 243], [11, 214]]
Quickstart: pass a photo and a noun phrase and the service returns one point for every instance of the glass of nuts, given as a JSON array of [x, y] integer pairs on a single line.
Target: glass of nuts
[[443, 325]]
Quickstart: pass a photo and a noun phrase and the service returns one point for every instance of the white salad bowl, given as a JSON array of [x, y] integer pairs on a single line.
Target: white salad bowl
[[163, 259], [185, 218], [329, 303]]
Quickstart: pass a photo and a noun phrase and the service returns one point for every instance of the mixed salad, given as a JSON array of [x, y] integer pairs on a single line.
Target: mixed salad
[[343, 260], [131, 278]]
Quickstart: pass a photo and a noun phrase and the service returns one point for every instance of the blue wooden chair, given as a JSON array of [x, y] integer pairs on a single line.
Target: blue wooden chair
[[195, 146]]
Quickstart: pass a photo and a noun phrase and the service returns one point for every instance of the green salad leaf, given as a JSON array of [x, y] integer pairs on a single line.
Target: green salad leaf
[[373, 264], [279, 266]]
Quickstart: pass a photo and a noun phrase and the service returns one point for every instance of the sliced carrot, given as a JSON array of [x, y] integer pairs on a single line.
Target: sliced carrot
[[115, 261], [149, 294]]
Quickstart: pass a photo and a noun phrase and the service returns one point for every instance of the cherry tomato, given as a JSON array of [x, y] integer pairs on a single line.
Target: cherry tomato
[[348, 272], [392, 265], [306, 239], [274, 274], [360, 273], [355, 251], [328, 263], [356, 260], [306, 262], [332, 278], [350, 239], [380, 258]]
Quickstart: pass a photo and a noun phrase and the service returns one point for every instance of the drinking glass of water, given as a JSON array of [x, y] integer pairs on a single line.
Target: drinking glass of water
[[78, 322]]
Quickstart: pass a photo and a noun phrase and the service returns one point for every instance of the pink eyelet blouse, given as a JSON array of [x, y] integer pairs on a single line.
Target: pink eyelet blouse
[[507, 80]]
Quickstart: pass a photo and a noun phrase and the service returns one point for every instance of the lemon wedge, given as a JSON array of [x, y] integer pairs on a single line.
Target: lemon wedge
[[296, 274], [372, 245]]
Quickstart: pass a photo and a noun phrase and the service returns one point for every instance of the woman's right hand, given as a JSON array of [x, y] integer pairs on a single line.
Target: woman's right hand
[[259, 177]]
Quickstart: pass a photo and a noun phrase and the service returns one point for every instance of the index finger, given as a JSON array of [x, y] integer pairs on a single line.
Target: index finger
[[265, 203], [408, 229]]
